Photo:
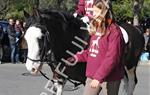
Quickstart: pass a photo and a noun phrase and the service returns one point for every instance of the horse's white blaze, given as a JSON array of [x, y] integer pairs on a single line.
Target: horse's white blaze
[[32, 35]]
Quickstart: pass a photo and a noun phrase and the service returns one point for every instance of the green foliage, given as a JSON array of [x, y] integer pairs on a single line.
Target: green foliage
[[69, 5], [122, 9], [146, 9], [16, 8]]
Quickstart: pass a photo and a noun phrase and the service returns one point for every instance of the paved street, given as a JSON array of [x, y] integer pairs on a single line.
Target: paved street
[[14, 80]]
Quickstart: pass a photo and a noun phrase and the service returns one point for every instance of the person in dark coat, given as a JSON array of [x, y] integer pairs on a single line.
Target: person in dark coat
[[148, 45], [147, 42], [12, 39], [18, 30], [1, 45]]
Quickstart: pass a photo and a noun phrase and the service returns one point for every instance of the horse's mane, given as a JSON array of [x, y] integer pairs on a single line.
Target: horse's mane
[[63, 27], [59, 14]]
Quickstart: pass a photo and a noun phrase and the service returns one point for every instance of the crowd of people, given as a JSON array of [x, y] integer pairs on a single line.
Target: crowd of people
[[146, 51], [15, 31]]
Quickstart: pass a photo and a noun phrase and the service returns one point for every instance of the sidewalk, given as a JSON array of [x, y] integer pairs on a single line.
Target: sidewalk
[[144, 63]]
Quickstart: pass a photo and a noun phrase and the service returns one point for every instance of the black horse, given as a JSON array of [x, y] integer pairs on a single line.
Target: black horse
[[53, 36]]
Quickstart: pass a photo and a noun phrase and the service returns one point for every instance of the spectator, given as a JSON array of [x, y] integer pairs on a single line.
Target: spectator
[[146, 37], [84, 8], [148, 46], [12, 39], [18, 30], [24, 49], [1, 45], [146, 53], [85, 11], [23, 45]]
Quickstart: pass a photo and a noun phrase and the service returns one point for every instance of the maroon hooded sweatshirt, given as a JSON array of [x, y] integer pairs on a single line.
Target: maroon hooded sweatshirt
[[104, 55], [85, 7]]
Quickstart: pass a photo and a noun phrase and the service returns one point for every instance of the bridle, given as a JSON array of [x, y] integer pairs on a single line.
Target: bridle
[[44, 53]]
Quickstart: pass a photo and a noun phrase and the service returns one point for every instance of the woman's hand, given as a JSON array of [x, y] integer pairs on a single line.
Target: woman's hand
[[95, 83], [71, 59]]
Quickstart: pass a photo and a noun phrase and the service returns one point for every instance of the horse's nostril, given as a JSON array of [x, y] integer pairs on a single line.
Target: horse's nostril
[[33, 70]]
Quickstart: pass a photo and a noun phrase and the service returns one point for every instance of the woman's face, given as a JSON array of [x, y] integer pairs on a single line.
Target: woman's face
[[96, 12], [17, 22], [11, 21]]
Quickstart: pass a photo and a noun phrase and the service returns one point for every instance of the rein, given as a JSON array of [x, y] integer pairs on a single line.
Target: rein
[[44, 52], [75, 83]]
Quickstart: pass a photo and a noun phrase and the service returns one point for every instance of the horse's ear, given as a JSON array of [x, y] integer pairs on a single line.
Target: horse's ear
[[36, 13], [27, 15]]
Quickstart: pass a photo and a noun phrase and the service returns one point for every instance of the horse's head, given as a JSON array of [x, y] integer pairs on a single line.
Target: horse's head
[[36, 37], [51, 30]]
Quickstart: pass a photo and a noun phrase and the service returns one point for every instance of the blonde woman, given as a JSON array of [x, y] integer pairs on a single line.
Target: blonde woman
[[104, 55]]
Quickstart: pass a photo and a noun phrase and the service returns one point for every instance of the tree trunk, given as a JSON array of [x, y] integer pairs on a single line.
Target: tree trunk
[[137, 6], [36, 2]]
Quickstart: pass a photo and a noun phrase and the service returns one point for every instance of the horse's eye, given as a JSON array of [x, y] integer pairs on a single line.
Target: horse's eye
[[40, 42]]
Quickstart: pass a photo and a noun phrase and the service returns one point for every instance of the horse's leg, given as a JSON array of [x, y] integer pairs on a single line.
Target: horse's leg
[[57, 88], [58, 84], [131, 80], [60, 89], [124, 86], [131, 72]]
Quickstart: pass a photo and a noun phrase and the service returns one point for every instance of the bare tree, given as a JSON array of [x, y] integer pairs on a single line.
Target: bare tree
[[137, 6]]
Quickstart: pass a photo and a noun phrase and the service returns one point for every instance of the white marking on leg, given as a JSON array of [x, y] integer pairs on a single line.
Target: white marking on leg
[[131, 83], [59, 89]]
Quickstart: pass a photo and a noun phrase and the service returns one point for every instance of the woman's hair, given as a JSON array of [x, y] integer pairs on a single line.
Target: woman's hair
[[102, 21]]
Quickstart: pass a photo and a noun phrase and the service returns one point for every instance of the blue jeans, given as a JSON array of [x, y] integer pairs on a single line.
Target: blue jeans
[[1, 52], [17, 54], [14, 54], [13, 48]]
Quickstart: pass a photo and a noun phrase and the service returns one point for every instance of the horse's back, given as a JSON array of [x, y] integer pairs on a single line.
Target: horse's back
[[134, 46], [135, 34]]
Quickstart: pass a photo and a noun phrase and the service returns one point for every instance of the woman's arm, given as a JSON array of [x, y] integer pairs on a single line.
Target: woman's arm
[[113, 55]]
